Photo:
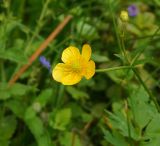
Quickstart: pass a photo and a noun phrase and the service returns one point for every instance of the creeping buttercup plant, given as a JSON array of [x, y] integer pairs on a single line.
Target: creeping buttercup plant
[[53, 93]]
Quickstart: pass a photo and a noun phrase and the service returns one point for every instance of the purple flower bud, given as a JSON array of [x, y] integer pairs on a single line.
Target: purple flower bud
[[133, 10], [45, 62]]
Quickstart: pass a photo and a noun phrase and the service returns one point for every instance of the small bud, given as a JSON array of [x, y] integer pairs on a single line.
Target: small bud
[[124, 16]]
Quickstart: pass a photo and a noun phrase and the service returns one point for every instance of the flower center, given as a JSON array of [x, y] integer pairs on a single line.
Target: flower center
[[76, 66], [79, 66]]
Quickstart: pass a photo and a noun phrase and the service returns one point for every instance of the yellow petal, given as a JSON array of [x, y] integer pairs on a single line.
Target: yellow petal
[[70, 54], [60, 71], [86, 52], [71, 79], [90, 70]]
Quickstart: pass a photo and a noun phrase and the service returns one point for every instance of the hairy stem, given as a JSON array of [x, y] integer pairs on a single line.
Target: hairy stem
[[113, 68], [153, 98]]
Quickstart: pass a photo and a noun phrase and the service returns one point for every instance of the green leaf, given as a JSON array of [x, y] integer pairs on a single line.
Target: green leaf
[[143, 111], [44, 97], [151, 141], [157, 2], [14, 55], [7, 127], [144, 20], [117, 75], [115, 138], [62, 119], [140, 47], [20, 89], [17, 107], [76, 93], [77, 111], [99, 58], [16, 89], [98, 110], [86, 30], [4, 142], [153, 127], [4, 91], [37, 128], [67, 138], [133, 29], [118, 122], [30, 113]]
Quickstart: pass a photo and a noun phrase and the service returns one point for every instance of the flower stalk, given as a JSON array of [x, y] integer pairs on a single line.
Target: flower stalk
[[114, 68]]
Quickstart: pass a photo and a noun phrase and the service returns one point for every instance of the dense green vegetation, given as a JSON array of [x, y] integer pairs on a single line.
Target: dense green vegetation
[[118, 106]]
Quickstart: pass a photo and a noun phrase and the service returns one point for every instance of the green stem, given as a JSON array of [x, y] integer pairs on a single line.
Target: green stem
[[113, 68], [124, 50], [3, 75], [128, 123], [155, 33], [121, 47], [139, 78], [128, 62], [60, 96], [40, 23], [147, 90], [115, 28], [139, 54]]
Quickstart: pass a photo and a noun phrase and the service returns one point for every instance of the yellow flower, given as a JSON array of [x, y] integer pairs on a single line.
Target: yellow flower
[[75, 65], [124, 16]]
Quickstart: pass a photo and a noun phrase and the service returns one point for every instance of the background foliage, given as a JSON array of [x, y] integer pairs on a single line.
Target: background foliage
[[111, 109]]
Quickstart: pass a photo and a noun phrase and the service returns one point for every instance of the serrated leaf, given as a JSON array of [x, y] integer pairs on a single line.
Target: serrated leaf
[[118, 122], [62, 119], [142, 110], [115, 138]]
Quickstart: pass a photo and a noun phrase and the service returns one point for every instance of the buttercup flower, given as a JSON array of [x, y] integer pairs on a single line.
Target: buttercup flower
[[75, 65]]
